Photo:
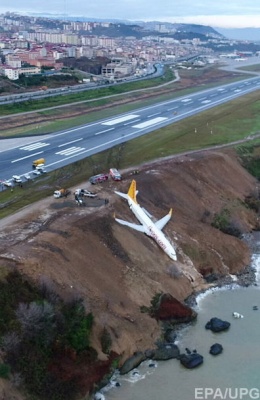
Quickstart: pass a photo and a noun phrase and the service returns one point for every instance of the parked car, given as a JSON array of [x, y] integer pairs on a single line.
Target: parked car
[[98, 178], [7, 183], [17, 179]]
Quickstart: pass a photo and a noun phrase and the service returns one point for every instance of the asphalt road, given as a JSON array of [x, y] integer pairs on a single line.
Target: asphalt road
[[64, 147]]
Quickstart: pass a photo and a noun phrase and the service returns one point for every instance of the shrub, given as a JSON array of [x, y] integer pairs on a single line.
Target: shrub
[[77, 326], [4, 371], [106, 341], [222, 221]]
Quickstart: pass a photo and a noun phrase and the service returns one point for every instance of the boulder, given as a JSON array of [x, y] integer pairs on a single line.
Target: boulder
[[216, 349], [149, 353], [132, 362], [217, 325], [170, 336], [170, 309], [191, 360], [210, 278], [166, 352]]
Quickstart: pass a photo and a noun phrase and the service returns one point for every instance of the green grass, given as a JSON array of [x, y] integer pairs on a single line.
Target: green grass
[[107, 96], [89, 95], [60, 119], [255, 67], [230, 122]]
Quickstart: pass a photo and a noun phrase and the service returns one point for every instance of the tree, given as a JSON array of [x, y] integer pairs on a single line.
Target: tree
[[37, 321]]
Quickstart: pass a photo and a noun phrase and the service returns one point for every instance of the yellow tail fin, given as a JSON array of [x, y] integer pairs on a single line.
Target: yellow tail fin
[[132, 191]]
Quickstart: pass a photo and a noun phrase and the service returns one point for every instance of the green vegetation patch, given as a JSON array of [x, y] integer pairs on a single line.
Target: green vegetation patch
[[43, 338]]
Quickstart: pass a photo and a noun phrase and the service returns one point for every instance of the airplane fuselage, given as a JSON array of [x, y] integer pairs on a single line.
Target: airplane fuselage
[[151, 229]]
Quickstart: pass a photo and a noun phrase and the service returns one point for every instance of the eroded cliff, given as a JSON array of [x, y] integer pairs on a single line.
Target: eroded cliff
[[83, 251]]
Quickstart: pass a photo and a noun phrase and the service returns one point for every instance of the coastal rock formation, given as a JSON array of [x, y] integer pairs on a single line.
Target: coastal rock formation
[[166, 352], [132, 362], [217, 325], [169, 308], [191, 360], [216, 349]]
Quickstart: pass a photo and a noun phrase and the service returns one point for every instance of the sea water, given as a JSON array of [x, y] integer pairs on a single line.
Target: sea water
[[234, 374]]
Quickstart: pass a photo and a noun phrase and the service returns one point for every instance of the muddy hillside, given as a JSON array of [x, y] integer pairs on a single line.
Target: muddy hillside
[[83, 251]]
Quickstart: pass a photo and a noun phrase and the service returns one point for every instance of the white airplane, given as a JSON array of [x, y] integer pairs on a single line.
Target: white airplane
[[150, 228]]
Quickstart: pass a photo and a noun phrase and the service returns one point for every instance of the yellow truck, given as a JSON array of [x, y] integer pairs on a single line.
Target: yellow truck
[[38, 163]]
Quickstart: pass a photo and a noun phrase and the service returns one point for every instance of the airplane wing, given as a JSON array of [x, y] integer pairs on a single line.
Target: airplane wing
[[139, 228], [163, 221]]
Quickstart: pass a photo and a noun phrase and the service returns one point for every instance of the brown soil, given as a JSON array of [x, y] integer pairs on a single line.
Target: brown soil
[[117, 270]]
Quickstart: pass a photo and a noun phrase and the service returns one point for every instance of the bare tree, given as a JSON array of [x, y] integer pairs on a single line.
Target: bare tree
[[36, 319], [10, 342]]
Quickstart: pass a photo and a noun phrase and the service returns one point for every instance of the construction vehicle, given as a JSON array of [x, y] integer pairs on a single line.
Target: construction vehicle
[[84, 192], [61, 193], [38, 163]]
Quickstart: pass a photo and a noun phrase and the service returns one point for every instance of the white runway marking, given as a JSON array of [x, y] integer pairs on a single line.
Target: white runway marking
[[206, 101], [106, 130], [121, 119], [34, 146], [70, 150], [23, 158], [150, 122], [172, 108], [73, 141], [186, 100], [152, 115]]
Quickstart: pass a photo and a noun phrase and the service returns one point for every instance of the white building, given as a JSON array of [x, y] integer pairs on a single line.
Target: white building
[[11, 73]]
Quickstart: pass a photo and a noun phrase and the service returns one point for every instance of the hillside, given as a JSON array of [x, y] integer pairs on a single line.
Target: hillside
[[83, 251]]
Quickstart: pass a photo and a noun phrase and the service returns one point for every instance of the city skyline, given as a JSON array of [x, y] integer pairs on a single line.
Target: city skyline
[[232, 14]]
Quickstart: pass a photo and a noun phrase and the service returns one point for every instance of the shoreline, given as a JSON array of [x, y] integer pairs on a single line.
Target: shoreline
[[245, 278]]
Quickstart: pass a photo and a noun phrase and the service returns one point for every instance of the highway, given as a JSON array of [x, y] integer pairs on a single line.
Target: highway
[[153, 71], [65, 147]]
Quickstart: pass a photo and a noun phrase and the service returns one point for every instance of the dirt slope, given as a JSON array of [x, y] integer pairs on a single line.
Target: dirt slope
[[117, 270]]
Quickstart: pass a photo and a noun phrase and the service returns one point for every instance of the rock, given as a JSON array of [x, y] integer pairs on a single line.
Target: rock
[[217, 325], [216, 349], [151, 365], [191, 360], [210, 278], [170, 309], [99, 396], [149, 353], [166, 352], [132, 362], [187, 350], [170, 336], [255, 308]]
